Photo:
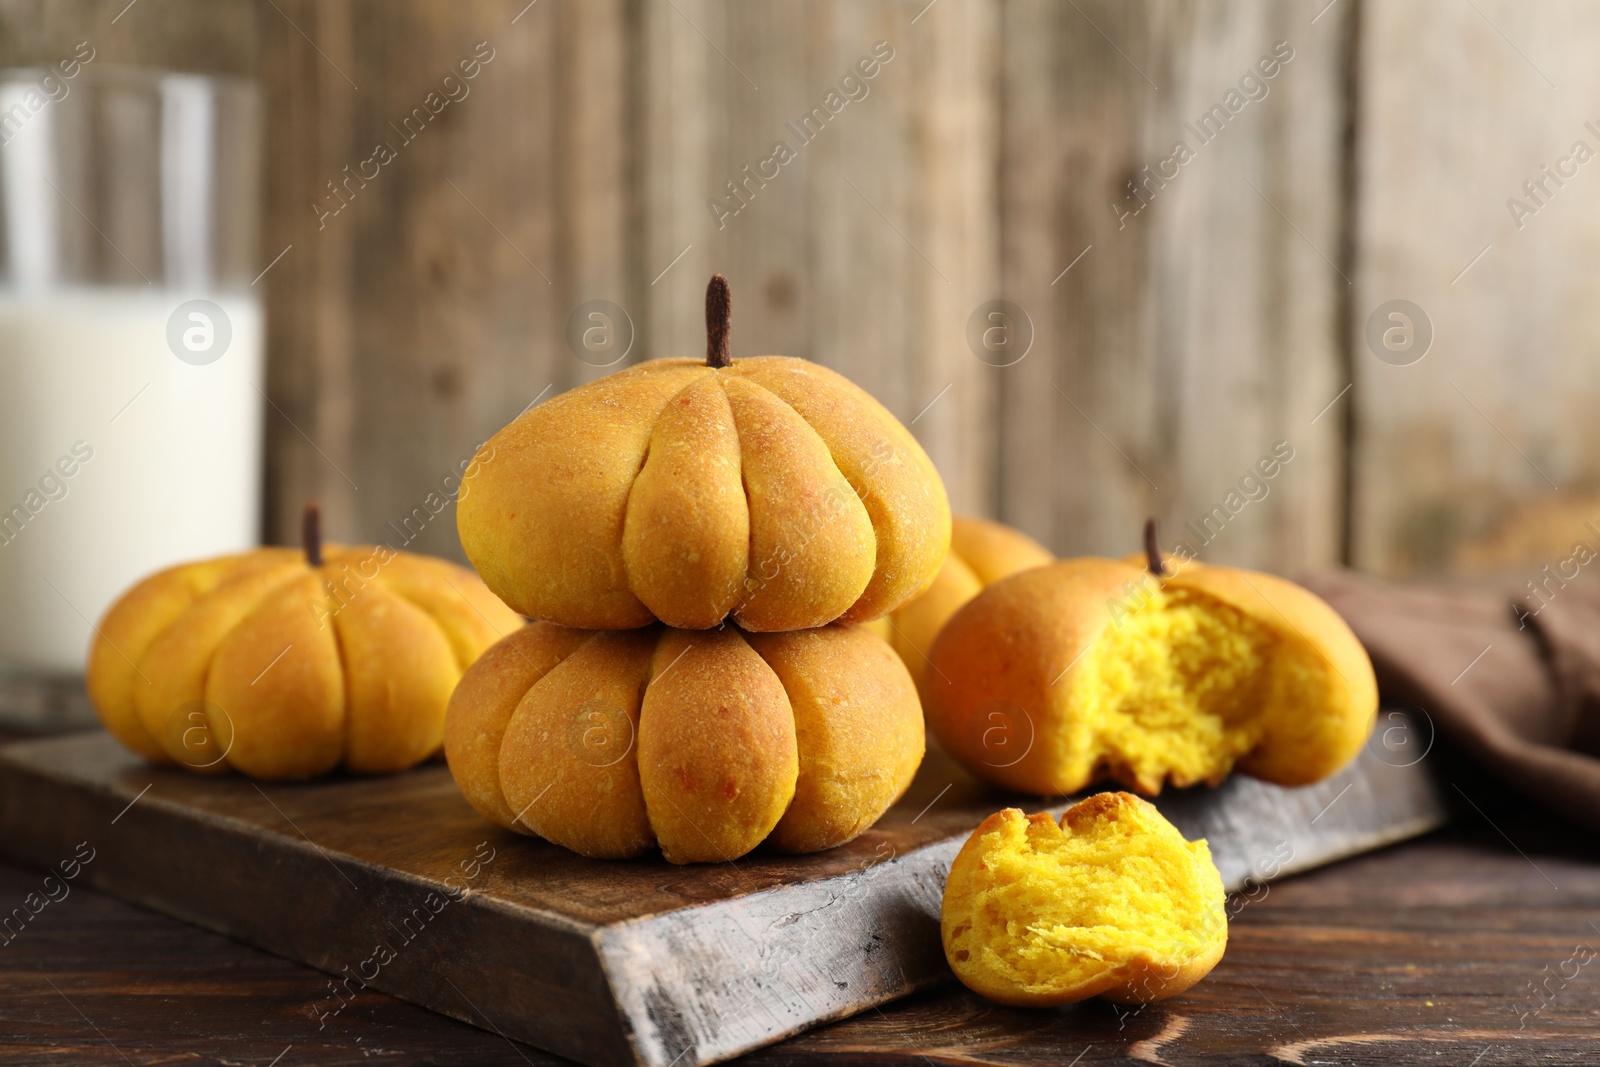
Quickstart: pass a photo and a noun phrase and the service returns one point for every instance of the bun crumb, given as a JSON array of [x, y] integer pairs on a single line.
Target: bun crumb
[[1112, 902]]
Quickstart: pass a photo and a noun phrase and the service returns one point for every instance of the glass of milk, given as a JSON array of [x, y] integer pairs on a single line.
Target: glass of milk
[[131, 370]]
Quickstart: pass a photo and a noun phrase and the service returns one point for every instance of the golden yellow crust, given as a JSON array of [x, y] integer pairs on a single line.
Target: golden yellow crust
[[704, 743], [994, 550], [773, 491], [858, 727], [130, 626], [812, 545], [1111, 902], [482, 705], [175, 669], [694, 465], [981, 553], [276, 720], [569, 763], [717, 753], [894, 478], [399, 670], [259, 663], [1060, 675]]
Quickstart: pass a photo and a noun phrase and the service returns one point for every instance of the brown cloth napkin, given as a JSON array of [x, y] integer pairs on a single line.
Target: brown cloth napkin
[[1514, 684]]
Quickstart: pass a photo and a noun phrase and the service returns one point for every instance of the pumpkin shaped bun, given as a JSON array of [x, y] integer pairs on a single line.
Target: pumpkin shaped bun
[[981, 553], [1148, 671], [771, 490], [705, 743], [286, 664]]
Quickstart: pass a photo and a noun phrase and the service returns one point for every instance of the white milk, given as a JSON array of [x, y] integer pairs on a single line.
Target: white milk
[[164, 455]]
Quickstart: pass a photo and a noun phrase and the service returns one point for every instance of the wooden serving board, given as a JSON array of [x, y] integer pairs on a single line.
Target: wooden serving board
[[395, 884]]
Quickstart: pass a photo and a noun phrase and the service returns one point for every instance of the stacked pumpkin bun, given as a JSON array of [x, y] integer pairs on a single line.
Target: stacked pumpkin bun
[[697, 541]]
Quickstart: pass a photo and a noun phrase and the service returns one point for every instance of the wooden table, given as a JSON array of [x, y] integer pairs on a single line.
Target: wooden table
[[1424, 953]]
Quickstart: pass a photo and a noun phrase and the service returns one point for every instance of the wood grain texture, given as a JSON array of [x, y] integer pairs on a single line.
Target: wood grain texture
[[982, 159], [868, 249], [393, 883], [1317, 971], [1459, 109], [985, 159], [198, 36], [434, 308], [1420, 954], [1201, 327], [430, 309]]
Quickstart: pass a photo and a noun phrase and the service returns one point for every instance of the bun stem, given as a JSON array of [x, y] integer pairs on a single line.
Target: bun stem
[[1152, 549], [311, 534], [719, 318]]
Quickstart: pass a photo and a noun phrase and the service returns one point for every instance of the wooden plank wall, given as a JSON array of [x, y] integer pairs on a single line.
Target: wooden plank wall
[[202, 36], [1202, 326], [1221, 318], [428, 311], [581, 167], [868, 250], [1485, 454]]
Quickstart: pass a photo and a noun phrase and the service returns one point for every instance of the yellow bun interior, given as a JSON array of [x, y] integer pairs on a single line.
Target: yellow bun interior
[[1059, 676], [1112, 901], [1182, 688]]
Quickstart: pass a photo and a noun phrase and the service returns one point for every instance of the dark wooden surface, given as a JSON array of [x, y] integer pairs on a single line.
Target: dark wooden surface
[[1423, 953], [610, 963]]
